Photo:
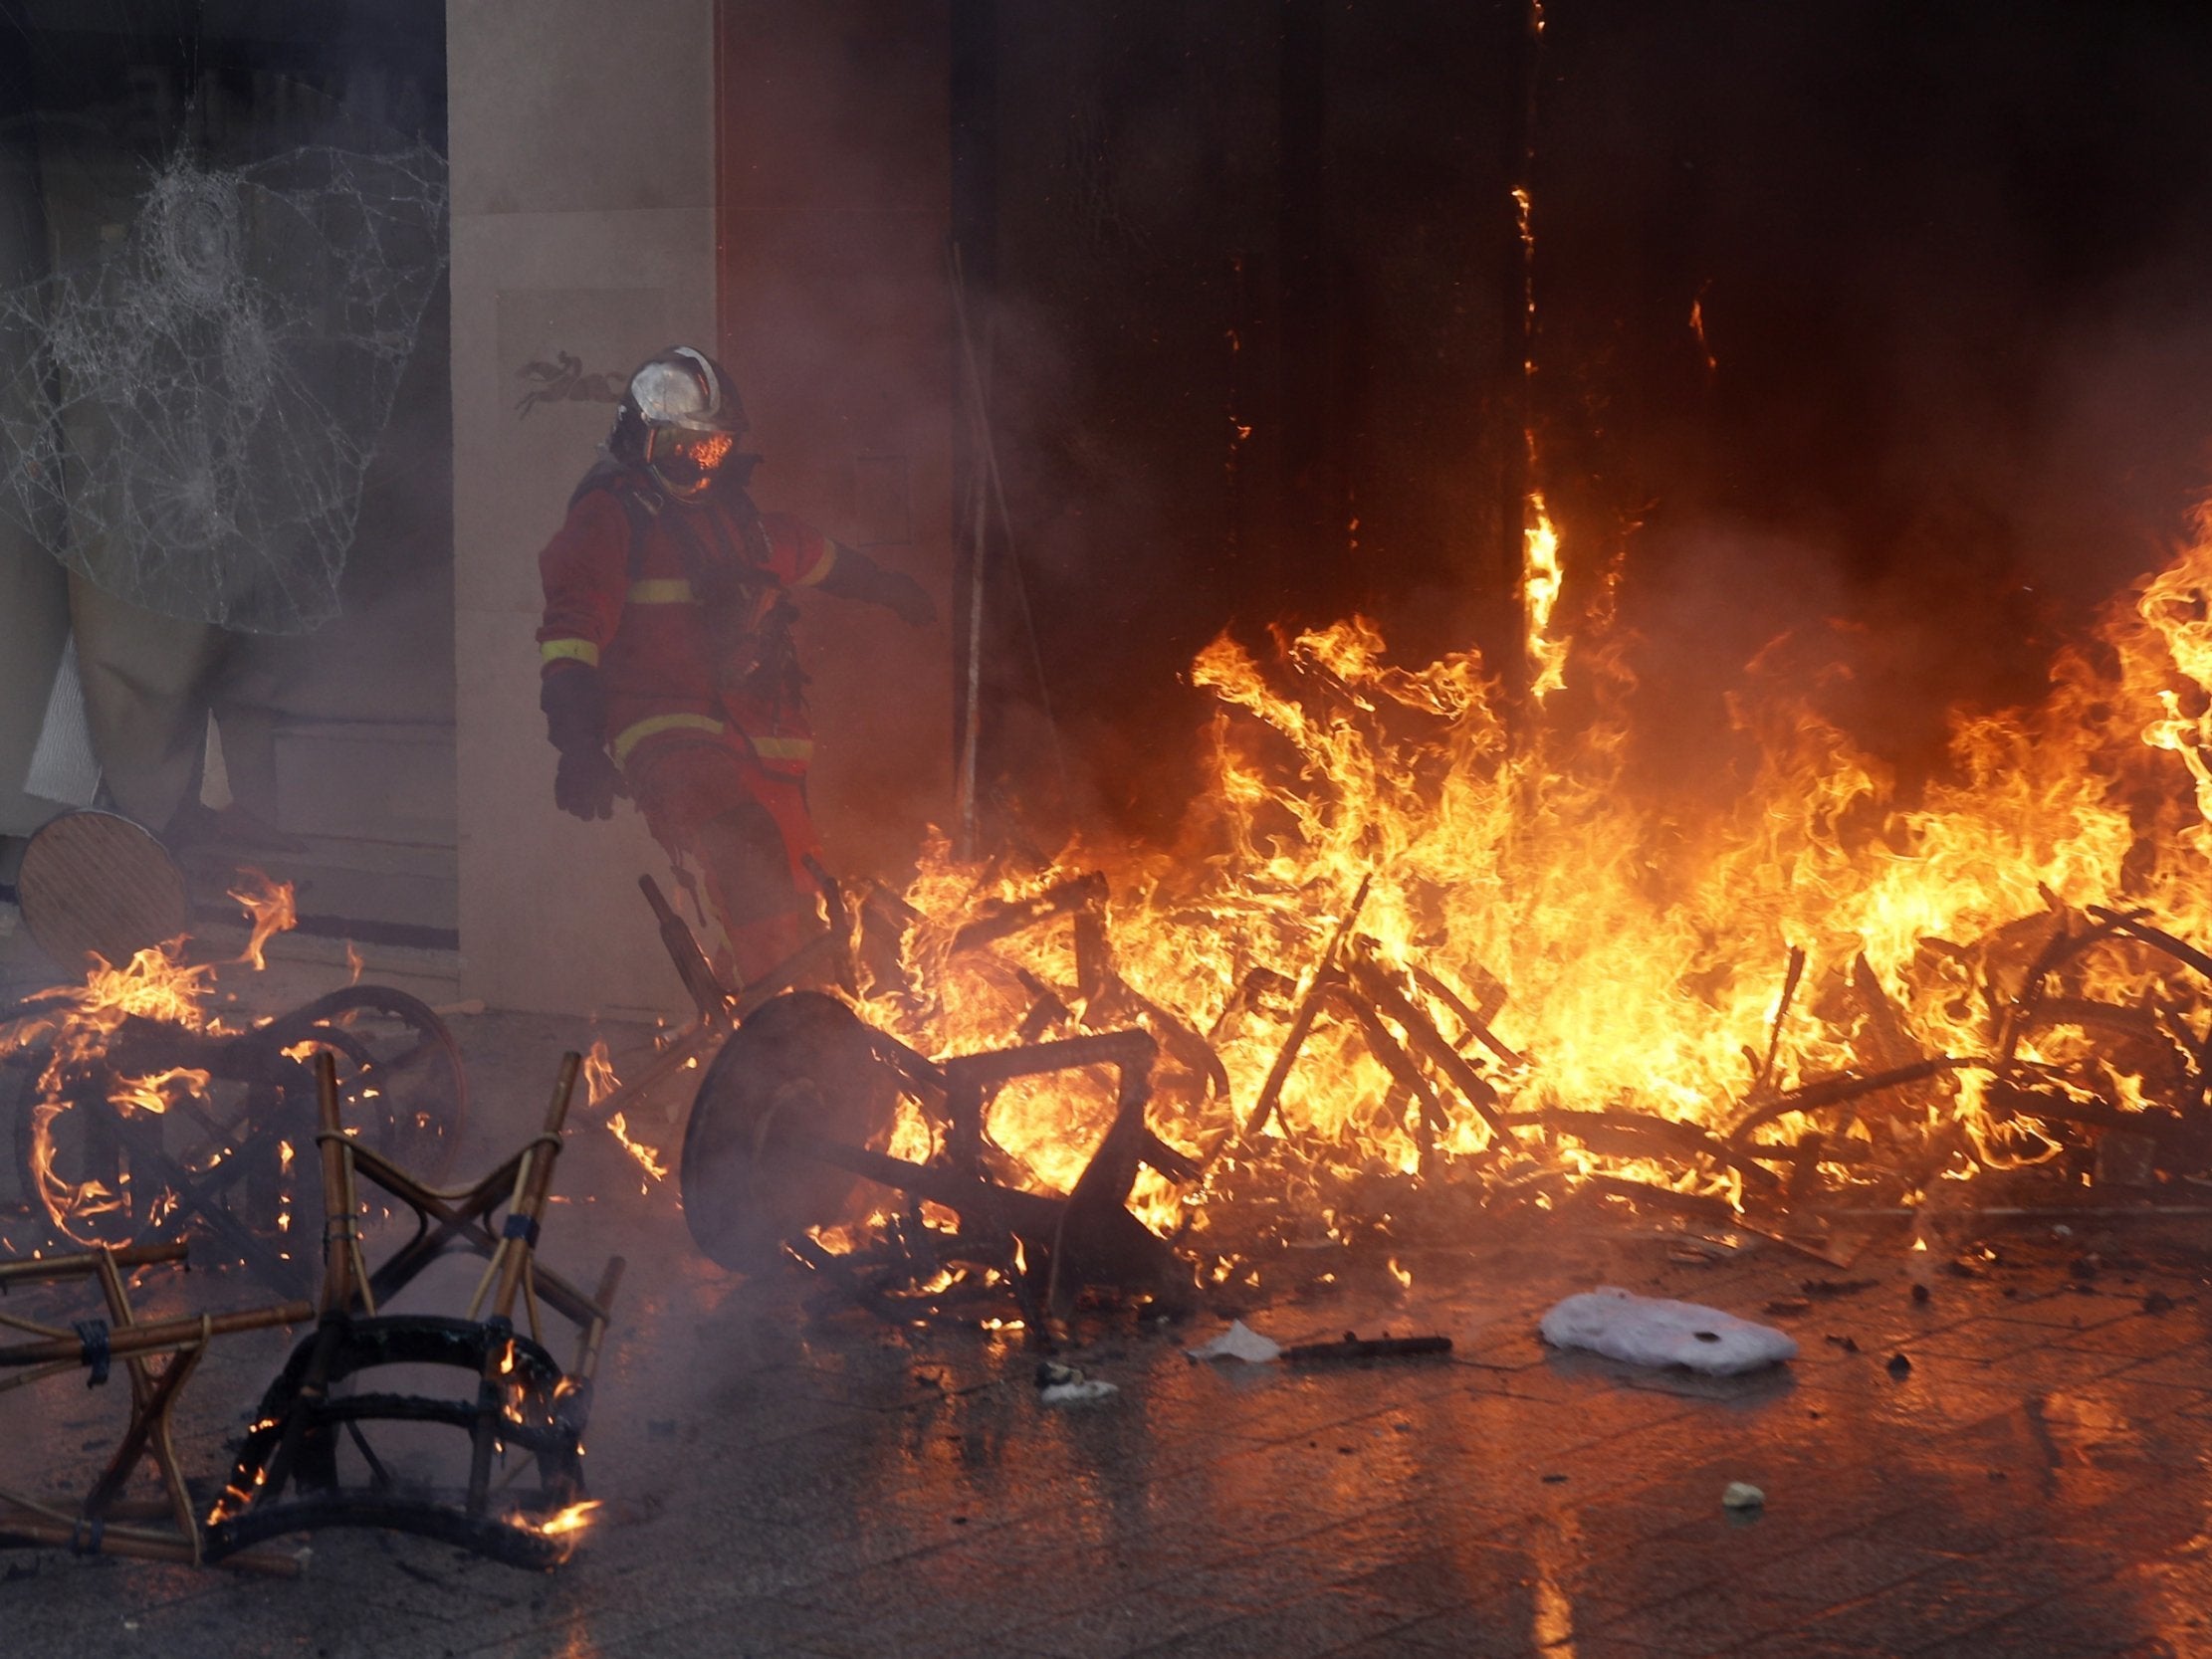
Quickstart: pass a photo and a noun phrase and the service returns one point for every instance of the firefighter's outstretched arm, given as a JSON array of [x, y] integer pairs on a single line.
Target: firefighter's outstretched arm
[[852, 574]]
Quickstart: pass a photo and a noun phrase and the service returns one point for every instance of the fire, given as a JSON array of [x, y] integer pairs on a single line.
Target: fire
[[648, 1159], [151, 1095], [600, 1081], [1598, 956], [1542, 577], [79, 1022], [269, 904], [573, 1519]]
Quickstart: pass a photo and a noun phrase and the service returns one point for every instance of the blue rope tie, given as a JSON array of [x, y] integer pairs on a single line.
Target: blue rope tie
[[91, 1334]]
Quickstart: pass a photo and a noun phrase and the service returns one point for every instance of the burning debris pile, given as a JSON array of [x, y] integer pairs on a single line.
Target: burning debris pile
[[1419, 964]]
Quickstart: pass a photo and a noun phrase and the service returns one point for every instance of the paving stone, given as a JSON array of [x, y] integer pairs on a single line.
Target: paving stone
[[822, 1486]]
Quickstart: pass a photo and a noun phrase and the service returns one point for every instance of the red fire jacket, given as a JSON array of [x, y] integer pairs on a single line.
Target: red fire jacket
[[618, 580]]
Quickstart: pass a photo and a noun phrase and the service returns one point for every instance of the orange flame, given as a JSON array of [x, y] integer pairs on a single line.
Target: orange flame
[[648, 1159], [1622, 953], [269, 904], [573, 1519]]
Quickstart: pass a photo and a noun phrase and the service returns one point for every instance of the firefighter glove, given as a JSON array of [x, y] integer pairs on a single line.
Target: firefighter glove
[[586, 780], [908, 599], [854, 575]]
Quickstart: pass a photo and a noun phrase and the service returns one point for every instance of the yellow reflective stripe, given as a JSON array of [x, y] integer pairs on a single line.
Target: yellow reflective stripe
[[783, 748], [653, 725], [823, 565], [661, 590], [580, 650]]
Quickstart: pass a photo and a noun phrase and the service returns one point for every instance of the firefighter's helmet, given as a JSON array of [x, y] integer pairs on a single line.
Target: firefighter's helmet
[[681, 419]]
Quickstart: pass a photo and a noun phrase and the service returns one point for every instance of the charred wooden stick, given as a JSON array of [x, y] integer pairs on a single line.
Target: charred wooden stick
[[1790, 978], [155, 1337], [1302, 1016], [1007, 919], [2132, 924], [503, 1275], [88, 1261], [1476, 1027], [708, 994], [341, 1213], [1354, 1347], [142, 1544], [1638, 1134], [1294, 1041], [1848, 1086], [687, 1052], [1372, 981], [1712, 1210], [1399, 1065]]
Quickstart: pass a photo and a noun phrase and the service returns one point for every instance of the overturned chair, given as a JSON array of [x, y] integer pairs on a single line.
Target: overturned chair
[[289, 1478]]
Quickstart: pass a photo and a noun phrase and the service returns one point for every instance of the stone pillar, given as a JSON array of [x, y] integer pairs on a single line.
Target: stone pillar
[[584, 233], [587, 143]]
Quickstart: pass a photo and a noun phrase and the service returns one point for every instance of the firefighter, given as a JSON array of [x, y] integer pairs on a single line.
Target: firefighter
[[669, 671]]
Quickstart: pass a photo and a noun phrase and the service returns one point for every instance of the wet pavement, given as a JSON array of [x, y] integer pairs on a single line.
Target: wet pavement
[[2031, 1480]]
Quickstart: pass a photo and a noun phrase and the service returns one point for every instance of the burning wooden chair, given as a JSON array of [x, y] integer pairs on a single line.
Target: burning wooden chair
[[788, 1122], [523, 1399]]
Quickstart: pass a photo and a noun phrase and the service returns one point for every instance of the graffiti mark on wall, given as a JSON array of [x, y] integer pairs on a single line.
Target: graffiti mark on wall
[[564, 381]]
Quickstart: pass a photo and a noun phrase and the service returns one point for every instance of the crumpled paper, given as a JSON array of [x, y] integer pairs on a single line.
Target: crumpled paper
[[1059, 1384], [1239, 1341], [1647, 1331]]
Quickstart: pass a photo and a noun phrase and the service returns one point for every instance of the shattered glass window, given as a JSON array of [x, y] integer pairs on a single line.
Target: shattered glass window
[[198, 379]]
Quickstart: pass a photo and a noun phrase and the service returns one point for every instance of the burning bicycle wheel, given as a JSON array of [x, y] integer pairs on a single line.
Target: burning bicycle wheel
[[804, 1061]]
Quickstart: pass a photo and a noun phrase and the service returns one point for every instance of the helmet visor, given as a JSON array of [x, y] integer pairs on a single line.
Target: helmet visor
[[687, 462]]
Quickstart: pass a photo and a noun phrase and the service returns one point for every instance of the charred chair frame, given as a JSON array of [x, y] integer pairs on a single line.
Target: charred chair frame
[[523, 1398], [104, 1521]]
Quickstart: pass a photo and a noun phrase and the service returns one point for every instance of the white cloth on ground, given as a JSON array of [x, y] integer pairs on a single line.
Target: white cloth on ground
[[1647, 1331]]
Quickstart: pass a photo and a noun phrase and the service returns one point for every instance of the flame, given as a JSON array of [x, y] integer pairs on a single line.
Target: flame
[[599, 1080], [269, 905], [152, 1094], [1587, 947], [353, 965], [1540, 581], [573, 1519], [648, 1159], [80, 1022], [1697, 332]]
